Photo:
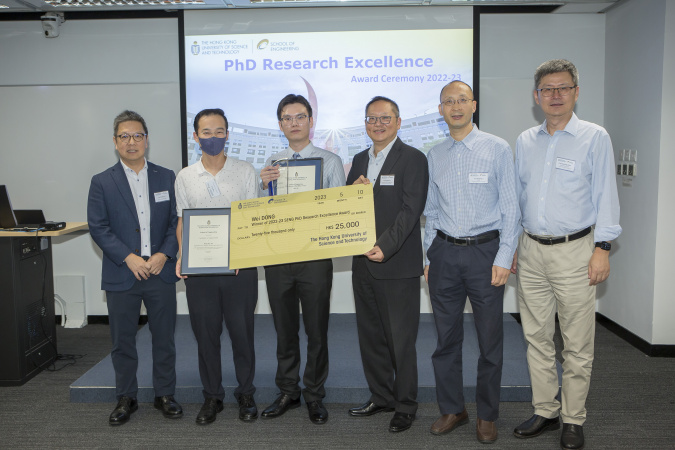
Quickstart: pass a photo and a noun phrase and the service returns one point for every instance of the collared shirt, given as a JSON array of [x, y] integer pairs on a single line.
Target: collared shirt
[[375, 162], [566, 182], [333, 170], [472, 190], [138, 182], [235, 181]]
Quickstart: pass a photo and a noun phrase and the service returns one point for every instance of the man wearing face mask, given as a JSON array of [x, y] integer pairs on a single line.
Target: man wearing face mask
[[214, 182]]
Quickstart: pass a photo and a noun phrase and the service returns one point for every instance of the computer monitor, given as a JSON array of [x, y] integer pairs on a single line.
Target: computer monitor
[[7, 217]]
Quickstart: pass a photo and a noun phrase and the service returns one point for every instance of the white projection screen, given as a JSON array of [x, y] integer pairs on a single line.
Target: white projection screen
[[246, 61]]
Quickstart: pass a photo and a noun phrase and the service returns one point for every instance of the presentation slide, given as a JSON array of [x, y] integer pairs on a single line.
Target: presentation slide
[[337, 71]]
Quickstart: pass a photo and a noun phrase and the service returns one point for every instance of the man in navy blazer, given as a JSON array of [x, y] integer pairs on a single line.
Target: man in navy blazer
[[132, 217], [386, 279]]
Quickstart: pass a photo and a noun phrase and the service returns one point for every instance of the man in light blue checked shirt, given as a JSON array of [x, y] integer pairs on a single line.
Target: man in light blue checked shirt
[[568, 196], [471, 233]]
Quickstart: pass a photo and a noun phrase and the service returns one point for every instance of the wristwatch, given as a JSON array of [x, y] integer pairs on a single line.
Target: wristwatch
[[604, 245]]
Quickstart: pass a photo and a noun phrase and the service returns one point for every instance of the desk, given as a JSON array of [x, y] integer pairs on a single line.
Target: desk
[[27, 325], [70, 227]]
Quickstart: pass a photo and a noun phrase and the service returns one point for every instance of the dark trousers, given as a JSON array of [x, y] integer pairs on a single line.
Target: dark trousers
[[456, 272], [211, 300], [289, 286], [124, 309], [387, 319]]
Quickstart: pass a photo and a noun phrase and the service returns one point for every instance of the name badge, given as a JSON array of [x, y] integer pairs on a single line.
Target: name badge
[[565, 164], [478, 178], [386, 180], [161, 196], [212, 187]]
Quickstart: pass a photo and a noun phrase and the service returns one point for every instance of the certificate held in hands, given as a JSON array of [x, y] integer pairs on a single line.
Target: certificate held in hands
[[307, 226], [297, 175], [206, 242]]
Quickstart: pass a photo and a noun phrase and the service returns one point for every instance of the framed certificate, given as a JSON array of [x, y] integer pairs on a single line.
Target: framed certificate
[[298, 175], [206, 242]]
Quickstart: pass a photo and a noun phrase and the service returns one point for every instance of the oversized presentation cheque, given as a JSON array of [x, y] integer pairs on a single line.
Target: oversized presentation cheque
[[325, 223]]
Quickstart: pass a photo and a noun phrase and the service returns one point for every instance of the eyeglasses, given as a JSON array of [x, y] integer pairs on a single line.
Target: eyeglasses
[[300, 119], [138, 137], [384, 120], [462, 101], [208, 134], [563, 91]]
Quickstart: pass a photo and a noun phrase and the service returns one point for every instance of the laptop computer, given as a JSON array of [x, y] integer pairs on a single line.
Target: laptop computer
[[7, 217], [19, 219], [29, 218]]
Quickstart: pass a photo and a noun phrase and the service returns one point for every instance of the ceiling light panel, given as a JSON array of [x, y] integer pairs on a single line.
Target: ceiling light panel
[[125, 3]]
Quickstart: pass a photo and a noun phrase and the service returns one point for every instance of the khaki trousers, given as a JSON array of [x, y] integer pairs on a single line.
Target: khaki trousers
[[554, 277]]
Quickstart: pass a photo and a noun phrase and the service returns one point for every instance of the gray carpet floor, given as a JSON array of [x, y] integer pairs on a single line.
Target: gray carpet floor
[[631, 405]]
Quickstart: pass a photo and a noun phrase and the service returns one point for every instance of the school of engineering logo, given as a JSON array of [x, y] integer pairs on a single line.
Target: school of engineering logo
[[262, 45], [195, 48], [270, 200]]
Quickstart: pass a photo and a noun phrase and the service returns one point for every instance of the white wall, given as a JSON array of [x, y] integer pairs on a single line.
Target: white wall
[[634, 103], [59, 98], [664, 306], [511, 48], [513, 45]]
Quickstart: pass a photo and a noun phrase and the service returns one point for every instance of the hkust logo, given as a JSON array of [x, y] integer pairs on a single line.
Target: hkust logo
[[262, 45], [239, 206], [195, 48]]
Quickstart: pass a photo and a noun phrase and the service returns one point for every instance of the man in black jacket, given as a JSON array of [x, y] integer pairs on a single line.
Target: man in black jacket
[[386, 279]]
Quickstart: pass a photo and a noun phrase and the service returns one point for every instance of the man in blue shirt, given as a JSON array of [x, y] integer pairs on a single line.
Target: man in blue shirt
[[570, 206], [470, 237]]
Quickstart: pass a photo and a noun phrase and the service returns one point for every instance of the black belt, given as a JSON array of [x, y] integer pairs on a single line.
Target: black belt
[[145, 257], [560, 239], [470, 240]]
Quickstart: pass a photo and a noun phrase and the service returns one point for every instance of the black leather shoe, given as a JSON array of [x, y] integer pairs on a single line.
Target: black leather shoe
[[210, 408], [368, 409], [572, 436], [317, 412], [248, 410], [169, 407], [401, 422], [122, 412], [536, 425], [282, 404]]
